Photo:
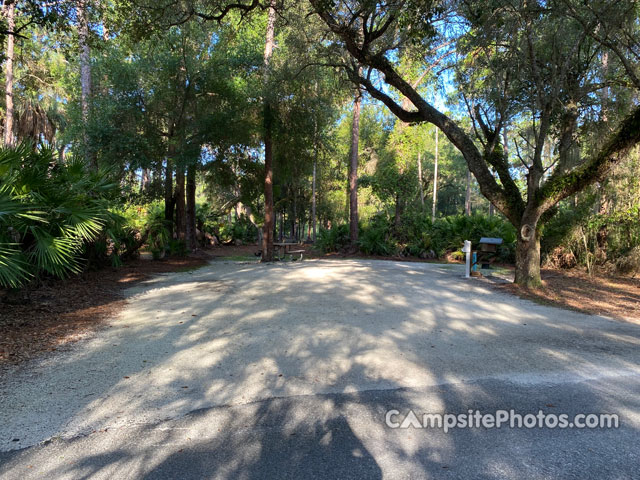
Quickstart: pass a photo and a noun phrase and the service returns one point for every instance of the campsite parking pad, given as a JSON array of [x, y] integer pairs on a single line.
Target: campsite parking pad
[[244, 370]]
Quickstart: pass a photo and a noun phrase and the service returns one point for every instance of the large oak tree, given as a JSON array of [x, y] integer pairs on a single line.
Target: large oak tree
[[521, 59]]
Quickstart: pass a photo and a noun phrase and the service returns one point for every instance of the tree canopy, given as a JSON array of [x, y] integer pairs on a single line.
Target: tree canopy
[[246, 108]]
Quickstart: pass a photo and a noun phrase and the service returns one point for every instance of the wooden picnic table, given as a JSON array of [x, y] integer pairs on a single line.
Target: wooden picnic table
[[284, 248], [281, 249]]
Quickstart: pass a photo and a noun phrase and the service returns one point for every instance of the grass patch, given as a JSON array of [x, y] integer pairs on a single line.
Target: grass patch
[[239, 258]]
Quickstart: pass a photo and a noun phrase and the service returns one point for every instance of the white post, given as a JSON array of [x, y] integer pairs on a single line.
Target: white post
[[467, 251]]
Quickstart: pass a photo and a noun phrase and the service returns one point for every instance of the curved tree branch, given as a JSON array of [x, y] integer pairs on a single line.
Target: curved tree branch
[[560, 186], [506, 203]]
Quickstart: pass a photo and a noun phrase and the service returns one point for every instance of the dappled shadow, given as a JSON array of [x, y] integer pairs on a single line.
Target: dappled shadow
[[339, 341], [60, 312]]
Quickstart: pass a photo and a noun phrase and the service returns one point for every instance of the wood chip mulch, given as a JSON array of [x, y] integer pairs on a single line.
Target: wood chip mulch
[[615, 297], [62, 312]]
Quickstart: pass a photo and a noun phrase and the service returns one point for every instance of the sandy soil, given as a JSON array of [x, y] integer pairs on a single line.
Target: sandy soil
[[233, 333], [61, 313]]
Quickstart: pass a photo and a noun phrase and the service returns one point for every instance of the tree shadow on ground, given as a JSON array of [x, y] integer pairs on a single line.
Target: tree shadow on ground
[[341, 343]]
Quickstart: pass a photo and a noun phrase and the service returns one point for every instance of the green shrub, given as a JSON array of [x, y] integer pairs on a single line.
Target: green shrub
[[333, 239], [421, 236], [158, 231], [240, 229], [579, 236], [134, 222], [49, 213], [178, 248], [376, 239], [244, 230], [418, 236]]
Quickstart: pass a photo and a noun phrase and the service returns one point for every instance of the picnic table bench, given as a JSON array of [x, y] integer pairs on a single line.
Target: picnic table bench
[[282, 249]]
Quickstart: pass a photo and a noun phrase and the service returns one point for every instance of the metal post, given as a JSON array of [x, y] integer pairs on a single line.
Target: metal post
[[467, 250]]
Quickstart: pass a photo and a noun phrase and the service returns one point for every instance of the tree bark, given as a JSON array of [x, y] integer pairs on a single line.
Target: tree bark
[[434, 205], [169, 201], [528, 250], [192, 241], [267, 237], [528, 261], [313, 199], [294, 216], [85, 74], [145, 181], [602, 235], [9, 12], [420, 180], [313, 181], [467, 197], [353, 171], [398, 213], [181, 221]]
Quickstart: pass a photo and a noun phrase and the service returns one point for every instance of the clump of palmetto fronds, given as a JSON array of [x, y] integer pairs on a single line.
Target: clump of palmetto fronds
[[49, 212]]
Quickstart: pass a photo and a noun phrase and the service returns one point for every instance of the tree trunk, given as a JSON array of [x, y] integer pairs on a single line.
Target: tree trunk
[[85, 74], [420, 180], [145, 181], [315, 166], [528, 262], [313, 199], [353, 171], [294, 217], [192, 241], [528, 252], [467, 198], [267, 237], [61, 154], [181, 221], [169, 202], [434, 205], [8, 91], [398, 213], [602, 235]]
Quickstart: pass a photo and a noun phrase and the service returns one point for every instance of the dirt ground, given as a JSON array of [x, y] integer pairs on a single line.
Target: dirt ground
[[62, 312], [616, 297]]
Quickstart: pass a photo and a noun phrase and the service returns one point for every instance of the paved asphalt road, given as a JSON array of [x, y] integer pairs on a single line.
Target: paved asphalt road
[[287, 371]]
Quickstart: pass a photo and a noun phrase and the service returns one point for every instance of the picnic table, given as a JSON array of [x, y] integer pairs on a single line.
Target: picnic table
[[281, 249]]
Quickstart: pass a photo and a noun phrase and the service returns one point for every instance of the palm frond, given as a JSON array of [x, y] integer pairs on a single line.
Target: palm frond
[[56, 255], [14, 268]]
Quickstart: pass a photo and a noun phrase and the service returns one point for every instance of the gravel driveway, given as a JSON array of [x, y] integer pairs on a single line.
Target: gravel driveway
[[243, 370]]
